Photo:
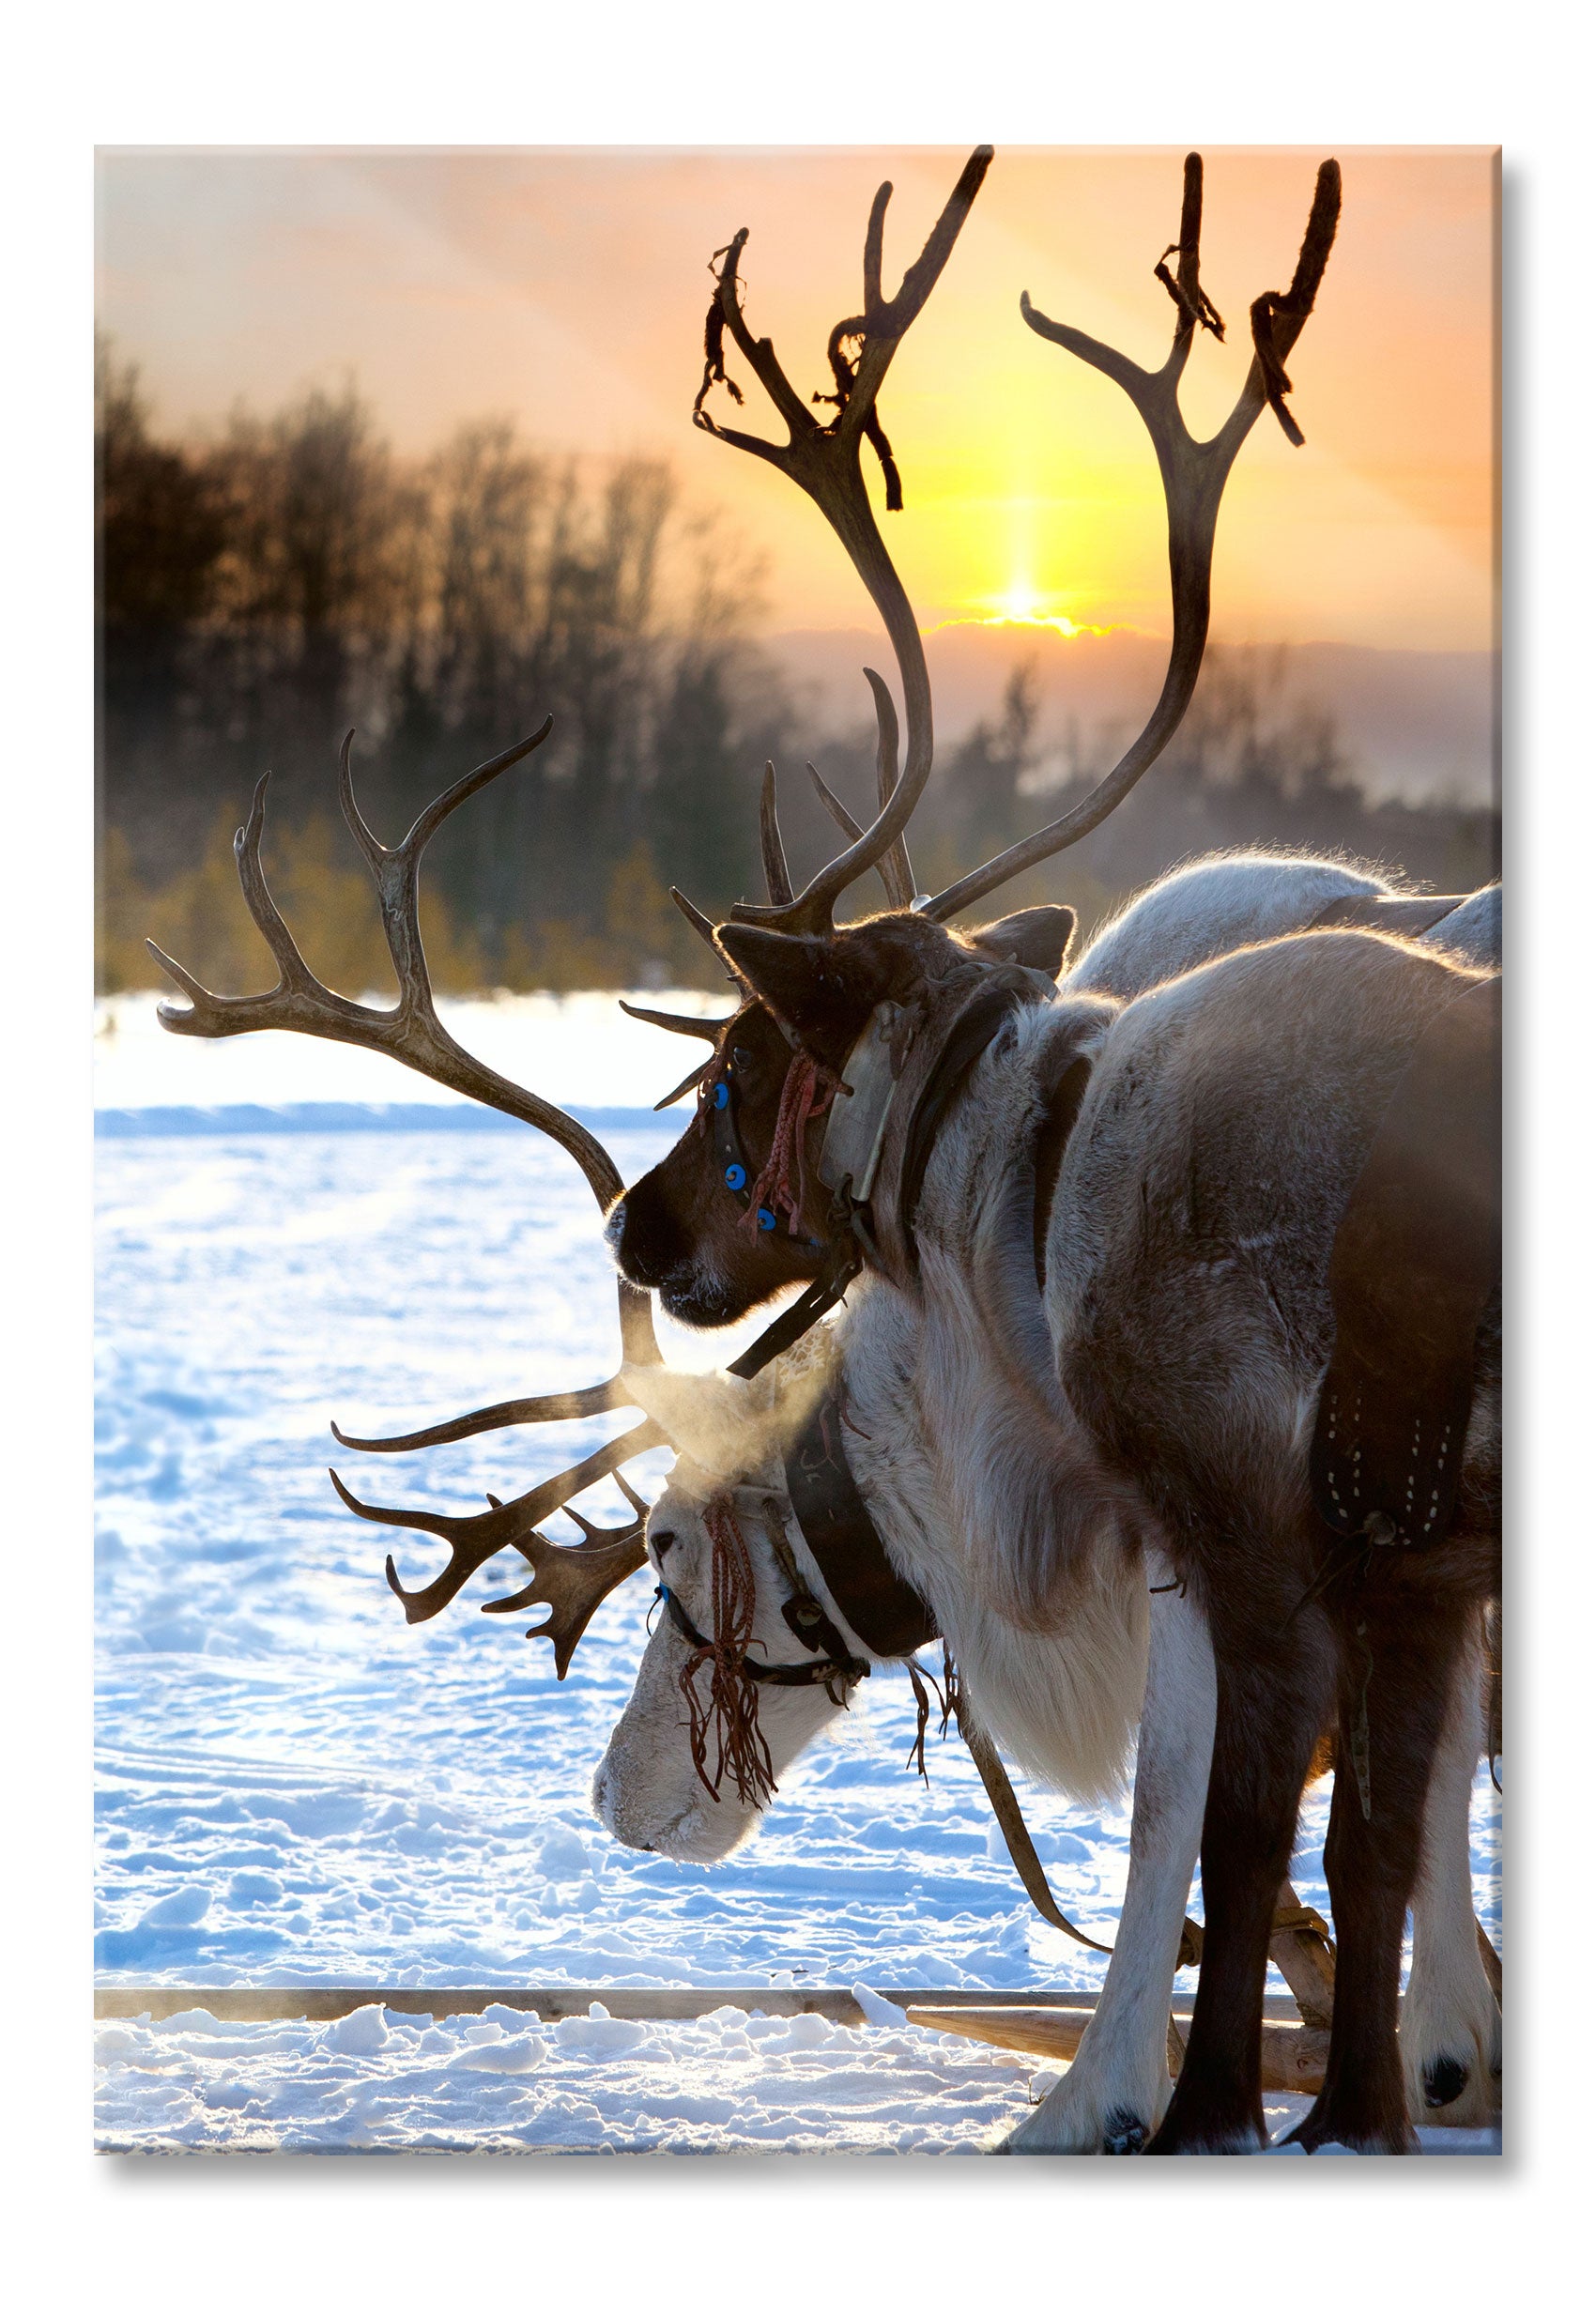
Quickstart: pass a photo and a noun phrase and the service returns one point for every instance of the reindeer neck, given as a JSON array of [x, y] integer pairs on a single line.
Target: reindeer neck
[[934, 1043], [977, 1502]]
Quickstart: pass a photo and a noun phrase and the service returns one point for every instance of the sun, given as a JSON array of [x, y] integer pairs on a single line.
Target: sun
[[1019, 604]]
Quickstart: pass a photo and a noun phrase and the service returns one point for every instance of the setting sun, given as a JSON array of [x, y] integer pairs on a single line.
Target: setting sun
[[1031, 492]]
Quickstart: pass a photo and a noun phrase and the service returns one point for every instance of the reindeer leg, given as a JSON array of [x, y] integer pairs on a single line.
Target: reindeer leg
[[1451, 2035], [1110, 2097], [1272, 1693], [1399, 1654]]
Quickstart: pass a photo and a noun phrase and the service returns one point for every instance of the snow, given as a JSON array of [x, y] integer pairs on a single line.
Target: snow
[[294, 1786], [878, 2011], [507, 2082]]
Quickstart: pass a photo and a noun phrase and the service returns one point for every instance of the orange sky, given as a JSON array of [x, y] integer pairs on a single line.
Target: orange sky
[[569, 290]]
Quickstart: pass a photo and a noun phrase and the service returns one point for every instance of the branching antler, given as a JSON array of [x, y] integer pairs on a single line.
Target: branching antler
[[574, 1580], [823, 459], [1193, 471], [412, 1034], [410, 1031], [894, 867]]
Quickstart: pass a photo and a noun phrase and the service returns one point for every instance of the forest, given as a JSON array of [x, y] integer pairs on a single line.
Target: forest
[[260, 590]]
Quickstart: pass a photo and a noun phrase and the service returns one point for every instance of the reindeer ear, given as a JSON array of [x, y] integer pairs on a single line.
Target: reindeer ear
[[1039, 938], [802, 978]]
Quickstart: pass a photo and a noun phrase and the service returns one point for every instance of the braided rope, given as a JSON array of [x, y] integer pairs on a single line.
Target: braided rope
[[732, 1702], [806, 1092]]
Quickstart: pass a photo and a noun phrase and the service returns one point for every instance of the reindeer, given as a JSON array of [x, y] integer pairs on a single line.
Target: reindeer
[[957, 1071]]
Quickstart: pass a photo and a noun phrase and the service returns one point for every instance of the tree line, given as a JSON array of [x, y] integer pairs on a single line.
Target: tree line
[[259, 592]]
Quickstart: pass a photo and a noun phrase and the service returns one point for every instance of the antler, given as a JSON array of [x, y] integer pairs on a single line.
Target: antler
[[895, 871], [1194, 473], [409, 1032], [823, 459], [574, 1581], [892, 867], [412, 1034]]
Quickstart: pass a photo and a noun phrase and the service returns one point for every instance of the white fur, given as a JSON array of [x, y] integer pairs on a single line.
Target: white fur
[[1206, 908], [1114, 2094], [1450, 2011]]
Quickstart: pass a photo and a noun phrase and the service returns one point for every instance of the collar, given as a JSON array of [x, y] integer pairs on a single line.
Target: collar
[[882, 1610], [874, 1603], [932, 1045]]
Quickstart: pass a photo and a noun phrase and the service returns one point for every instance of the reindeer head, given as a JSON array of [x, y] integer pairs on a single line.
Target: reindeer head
[[702, 1744], [705, 1228], [747, 1202], [760, 1636]]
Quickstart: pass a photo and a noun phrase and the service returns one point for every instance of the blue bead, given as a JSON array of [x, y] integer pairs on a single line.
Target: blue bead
[[736, 1177], [766, 1218], [722, 1095]]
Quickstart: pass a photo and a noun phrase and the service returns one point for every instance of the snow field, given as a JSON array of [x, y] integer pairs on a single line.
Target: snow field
[[295, 1787], [507, 2082]]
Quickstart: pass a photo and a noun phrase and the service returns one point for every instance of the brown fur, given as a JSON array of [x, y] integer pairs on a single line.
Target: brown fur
[[1189, 1326]]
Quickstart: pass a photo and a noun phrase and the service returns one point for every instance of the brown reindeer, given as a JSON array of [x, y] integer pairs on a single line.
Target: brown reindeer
[[978, 1130]]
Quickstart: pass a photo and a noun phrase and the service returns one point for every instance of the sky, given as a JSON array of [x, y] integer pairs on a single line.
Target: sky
[[567, 289]]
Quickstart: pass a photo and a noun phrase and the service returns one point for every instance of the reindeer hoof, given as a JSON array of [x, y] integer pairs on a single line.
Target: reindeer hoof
[[1444, 2080], [1124, 2134]]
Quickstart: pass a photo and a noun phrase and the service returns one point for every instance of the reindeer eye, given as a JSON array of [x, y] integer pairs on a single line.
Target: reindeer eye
[[662, 1543], [742, 1057]]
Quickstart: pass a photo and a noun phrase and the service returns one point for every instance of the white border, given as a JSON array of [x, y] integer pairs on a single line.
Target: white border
[[477, 74]]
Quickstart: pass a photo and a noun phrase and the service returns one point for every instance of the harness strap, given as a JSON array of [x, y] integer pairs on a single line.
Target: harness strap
[[1015, 1836], [972, 1031], [851, 1668], [844, 1266], [730, 1155]]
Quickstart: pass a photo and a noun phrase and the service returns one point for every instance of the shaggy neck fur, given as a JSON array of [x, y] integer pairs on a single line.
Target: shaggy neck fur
[[957, 1423]]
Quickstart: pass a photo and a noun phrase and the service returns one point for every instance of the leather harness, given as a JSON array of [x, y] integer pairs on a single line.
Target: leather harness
[[1416, 1259], [892, 1618]]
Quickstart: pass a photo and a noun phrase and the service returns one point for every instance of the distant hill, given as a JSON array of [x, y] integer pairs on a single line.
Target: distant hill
[[1414, 725]]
